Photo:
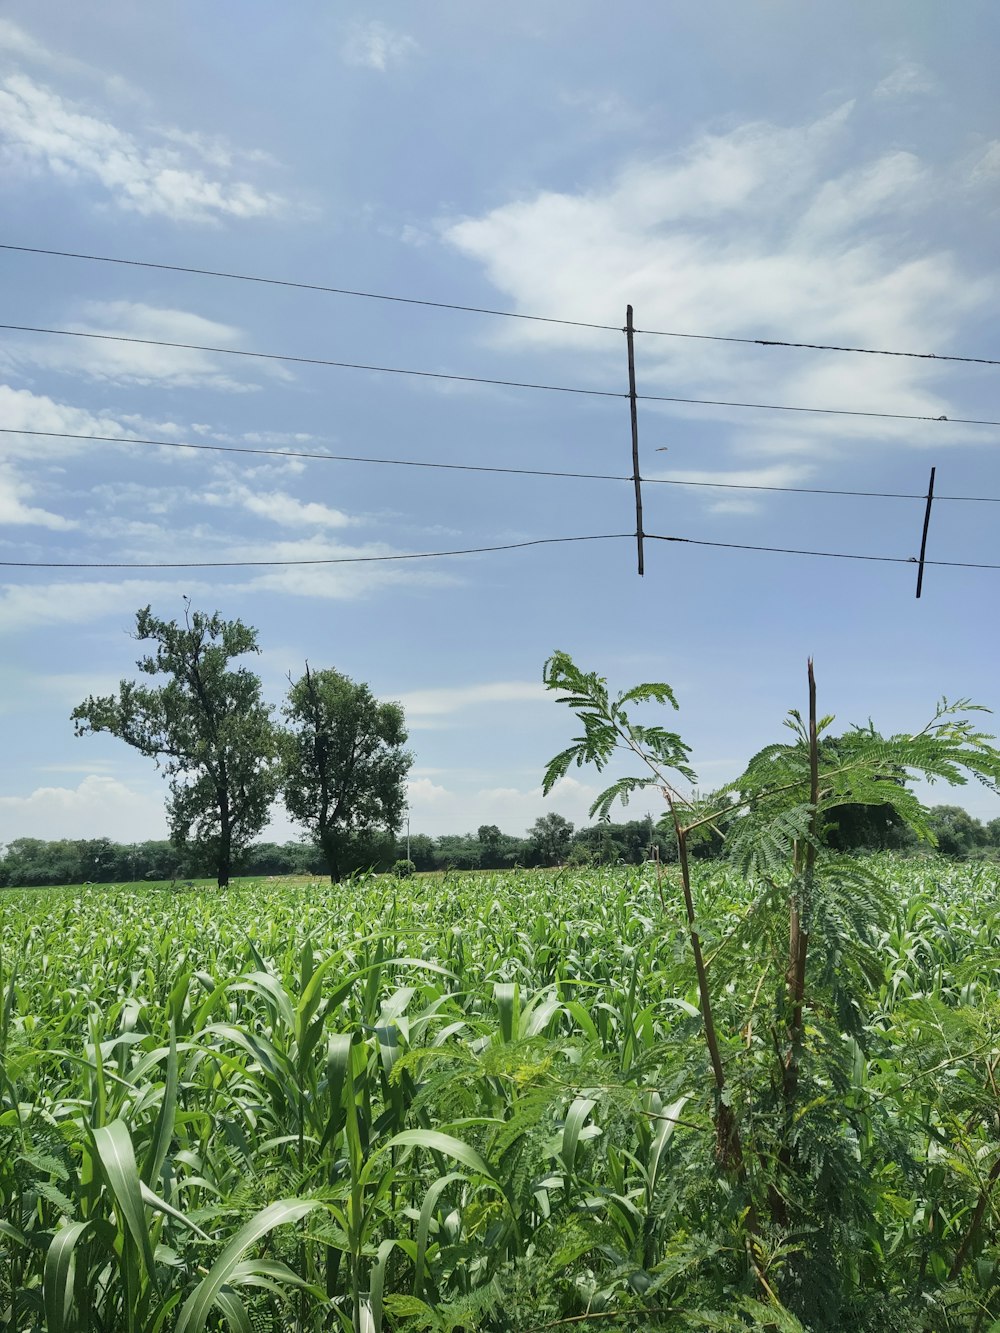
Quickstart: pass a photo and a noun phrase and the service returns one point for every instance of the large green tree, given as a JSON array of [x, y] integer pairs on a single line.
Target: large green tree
[[207, 728], [344, 766], [549, 839]]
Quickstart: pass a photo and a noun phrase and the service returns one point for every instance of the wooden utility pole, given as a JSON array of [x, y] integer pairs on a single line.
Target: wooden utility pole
[[633, 410], [923, 538]]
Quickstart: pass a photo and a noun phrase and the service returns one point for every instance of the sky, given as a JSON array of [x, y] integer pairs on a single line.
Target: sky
[[820, 174]]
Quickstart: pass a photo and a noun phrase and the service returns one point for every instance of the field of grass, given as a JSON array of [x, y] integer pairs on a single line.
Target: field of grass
[[483, 1102]]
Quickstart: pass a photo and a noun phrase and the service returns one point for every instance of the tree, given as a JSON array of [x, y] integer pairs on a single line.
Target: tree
[[207, 728], [813, 936], [957, 832], [549, 839], [343, 763]]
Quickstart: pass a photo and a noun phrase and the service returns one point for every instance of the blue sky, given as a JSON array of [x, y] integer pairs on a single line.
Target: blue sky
[[821, 174]]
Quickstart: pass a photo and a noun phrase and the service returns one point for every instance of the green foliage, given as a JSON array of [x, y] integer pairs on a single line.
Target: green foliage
[[207, 728], [481, 1104], [403, 869], [608, 728], [787, 1129], [343, 763], [549, 839]]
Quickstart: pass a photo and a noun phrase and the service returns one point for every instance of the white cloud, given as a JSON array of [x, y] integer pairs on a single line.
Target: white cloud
[[756, 233], [283, 509], [214, 149], [376, 46], [31, 605], [434, 703], [718, 501], [14, 491], [889, 183], [134, 363], [342, 582], [908, 79], [43, 132], [20, 409], [100, 807], [436, 809]]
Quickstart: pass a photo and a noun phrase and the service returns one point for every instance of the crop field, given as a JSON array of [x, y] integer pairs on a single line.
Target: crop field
[[484, 1102]]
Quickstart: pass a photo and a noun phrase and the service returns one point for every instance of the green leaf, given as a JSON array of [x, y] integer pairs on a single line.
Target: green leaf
[[575, 1118], [434, 1192], [57, 1281], [113, 1145], [443, 1143], [196, 1309], [163, 1132]]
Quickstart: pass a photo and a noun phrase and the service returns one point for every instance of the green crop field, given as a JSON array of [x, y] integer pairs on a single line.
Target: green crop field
[[484, 1102]]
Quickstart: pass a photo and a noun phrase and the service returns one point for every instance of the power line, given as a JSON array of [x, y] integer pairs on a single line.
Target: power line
[[480, 550], [480, 379], [325, 560], [311, 360], [827, 555], [487, 310], [816, 411], [310, 287], [480, 467], [816, 347], [318, 457]]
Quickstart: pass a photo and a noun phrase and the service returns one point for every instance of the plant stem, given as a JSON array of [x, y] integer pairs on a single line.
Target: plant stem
[[798, 934], [728, 1147]]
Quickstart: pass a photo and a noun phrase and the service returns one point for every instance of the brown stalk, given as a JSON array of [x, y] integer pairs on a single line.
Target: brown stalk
[[728, 1147], [798, 936], [972, 1230]]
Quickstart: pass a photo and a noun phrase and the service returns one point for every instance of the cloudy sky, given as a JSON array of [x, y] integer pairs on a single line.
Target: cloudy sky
[[821, 174]]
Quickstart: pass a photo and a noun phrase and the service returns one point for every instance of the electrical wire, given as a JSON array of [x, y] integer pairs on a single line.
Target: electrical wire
[[815, 411], [828, 555], [480, 550], [480, 379], [318, 457], [487, 310], [323, 560], [479, 467], [816, 347], [310, 287], [311, 360]]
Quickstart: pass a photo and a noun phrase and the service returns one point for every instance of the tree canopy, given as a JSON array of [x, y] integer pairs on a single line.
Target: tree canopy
[[343, 762], [207, 728]]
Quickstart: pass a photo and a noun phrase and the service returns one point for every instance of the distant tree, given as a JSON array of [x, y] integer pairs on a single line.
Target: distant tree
[[607, 843], [32, 861], [457, 851], [957, 832], [98, 860], [343, 764], [490, 840], [421, 849], [549, 839], [207, 728]]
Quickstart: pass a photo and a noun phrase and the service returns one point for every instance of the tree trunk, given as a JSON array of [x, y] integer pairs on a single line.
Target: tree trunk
[[331, 850], [225, 858]]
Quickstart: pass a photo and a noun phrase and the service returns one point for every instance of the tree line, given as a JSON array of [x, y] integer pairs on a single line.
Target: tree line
[[551, 840]]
